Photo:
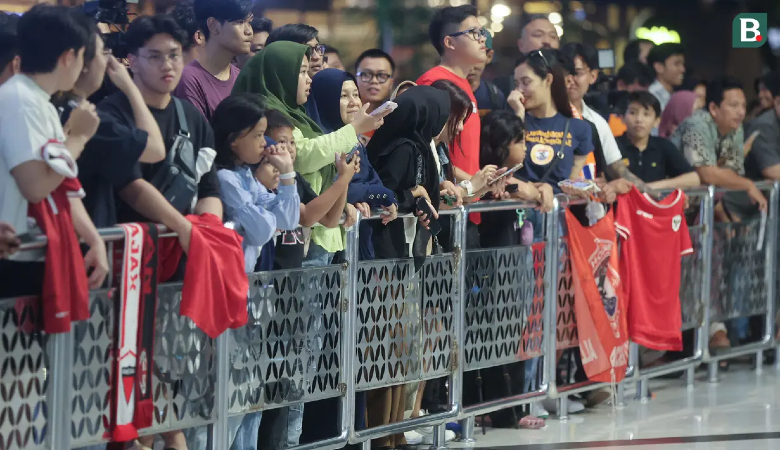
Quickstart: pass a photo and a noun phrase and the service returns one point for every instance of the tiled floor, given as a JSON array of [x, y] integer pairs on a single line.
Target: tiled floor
[[742, 412]]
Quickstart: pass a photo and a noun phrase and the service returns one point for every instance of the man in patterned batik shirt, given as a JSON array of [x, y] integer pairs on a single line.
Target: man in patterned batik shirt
[[712, 140]]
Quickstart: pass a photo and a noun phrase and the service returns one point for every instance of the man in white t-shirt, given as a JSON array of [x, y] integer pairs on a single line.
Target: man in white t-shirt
[[33, 144], [586, 68]]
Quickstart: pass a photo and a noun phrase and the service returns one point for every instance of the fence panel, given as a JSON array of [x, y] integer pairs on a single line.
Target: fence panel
[[566, 322], [290, 350], [394, 343], [24, 386], [93, 371], [741, 286], [184, 374], [691, 282], [504, 306]]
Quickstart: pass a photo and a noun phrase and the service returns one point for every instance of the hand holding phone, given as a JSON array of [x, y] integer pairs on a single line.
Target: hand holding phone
[[352, 153], [509, 172], [425, 208], [385, 107]]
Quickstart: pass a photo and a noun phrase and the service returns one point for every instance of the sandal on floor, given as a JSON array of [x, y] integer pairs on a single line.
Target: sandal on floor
[[531, 423]]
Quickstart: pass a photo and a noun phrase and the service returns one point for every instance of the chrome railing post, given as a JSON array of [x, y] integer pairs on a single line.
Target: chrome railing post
[[59, 395], [771, 270], [703, 333], [551, 301], [220, 438], [349, 329], [460, 247]]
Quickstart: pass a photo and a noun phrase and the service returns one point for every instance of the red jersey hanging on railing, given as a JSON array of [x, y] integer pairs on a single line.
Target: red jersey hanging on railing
[[65, 291], [215, 288], [652, 234], [599, 301]]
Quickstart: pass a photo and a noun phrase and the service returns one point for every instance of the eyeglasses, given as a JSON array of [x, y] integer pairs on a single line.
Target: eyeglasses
[[159, 59], [474, 33], [368, 75], [541, 55], [318, 48]]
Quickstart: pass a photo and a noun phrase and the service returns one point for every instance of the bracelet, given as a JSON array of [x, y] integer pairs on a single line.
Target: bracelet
[[287, 176], [468, 187]]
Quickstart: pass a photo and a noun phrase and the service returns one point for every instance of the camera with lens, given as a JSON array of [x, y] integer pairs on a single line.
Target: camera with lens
[[113, 13]]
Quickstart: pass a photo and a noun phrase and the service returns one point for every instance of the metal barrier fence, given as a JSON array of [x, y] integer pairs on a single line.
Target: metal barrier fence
[[332, 332]]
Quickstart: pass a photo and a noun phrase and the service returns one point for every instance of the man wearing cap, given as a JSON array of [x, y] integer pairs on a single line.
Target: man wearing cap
[[489, 96]]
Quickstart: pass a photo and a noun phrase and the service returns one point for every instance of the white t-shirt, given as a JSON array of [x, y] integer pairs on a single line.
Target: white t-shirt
[[28, 121], [608, 143]]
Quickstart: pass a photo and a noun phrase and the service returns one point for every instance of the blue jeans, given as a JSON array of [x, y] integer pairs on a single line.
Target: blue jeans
[[317, 256], [738, 328], [241, 429]]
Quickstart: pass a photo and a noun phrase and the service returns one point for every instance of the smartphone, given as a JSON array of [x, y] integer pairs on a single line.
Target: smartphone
[[449, 199], [606, 58], [352, 153], [25, 238], [386, 106], [579, 185], [506, 174], [434, 226]]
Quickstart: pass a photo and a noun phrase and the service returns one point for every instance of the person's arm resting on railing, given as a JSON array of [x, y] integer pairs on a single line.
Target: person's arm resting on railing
[[150, 203]]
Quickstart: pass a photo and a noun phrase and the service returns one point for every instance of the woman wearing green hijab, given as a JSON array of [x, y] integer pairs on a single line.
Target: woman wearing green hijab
[[279, 74]]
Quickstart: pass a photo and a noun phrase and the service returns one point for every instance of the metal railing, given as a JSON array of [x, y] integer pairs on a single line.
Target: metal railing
[[332, 332]]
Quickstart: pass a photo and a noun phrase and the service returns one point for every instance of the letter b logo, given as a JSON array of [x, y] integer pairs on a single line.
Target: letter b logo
[[749, 30]]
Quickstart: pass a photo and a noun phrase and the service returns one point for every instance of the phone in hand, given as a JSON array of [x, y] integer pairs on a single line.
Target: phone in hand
[[434, 226], [506, 174], [352, 154], [449, 199], [386, 106], [25, 238], [580, 185]]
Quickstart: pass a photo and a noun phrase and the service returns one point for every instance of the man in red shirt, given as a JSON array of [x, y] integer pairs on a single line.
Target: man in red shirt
[[459, 38]]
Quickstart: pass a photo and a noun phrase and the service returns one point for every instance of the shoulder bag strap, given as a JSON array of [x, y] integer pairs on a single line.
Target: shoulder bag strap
[[182, 119], [559, 155]]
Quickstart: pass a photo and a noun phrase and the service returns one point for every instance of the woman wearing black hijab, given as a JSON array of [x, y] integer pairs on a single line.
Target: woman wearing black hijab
[[401, 153]]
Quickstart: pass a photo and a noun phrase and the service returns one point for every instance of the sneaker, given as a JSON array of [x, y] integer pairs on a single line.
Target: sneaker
[[575, 407], [413, 437], [538, 410], [428, 438], [598, 397]]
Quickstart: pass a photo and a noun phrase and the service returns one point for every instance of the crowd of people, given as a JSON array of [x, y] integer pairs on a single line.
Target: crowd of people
[[215, 113]]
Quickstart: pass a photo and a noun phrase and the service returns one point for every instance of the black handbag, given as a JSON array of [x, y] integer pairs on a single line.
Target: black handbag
[[177, 178]]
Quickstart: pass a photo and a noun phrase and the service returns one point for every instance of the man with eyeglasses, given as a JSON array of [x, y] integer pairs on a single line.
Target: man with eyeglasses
[[460, 39], [374, 69], [227, 27], [302, 34], [156, 61]]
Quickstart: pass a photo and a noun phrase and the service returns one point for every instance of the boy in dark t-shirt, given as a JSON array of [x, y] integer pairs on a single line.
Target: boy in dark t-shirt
[[653, 159], [324, 209]]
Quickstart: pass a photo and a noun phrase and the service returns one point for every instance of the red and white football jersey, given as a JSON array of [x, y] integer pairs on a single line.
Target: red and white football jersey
[[654, 236]]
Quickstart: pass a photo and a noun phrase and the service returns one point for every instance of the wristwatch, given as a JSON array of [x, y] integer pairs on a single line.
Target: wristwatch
[[466, 184]]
